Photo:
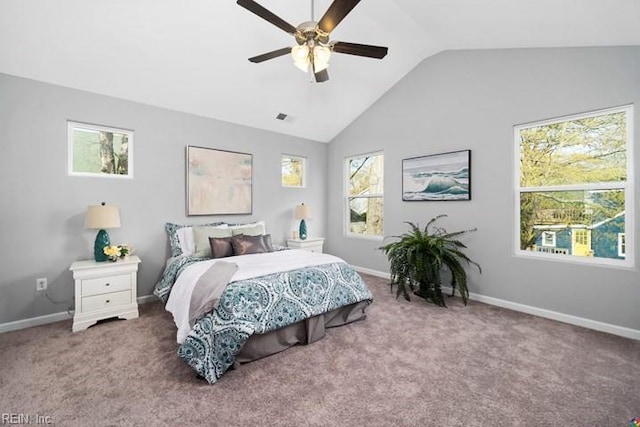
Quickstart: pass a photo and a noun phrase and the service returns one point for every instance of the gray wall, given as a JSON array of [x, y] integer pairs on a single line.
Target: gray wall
[[43, 208], [471, 100]]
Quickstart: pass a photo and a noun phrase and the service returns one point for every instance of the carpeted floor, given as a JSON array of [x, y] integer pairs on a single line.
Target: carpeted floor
[[407, 364]]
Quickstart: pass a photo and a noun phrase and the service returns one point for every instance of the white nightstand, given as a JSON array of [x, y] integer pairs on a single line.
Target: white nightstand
[[103, 290], [311, 244]]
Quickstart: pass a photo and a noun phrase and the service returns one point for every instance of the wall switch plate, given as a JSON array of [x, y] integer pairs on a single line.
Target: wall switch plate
[[41, 284]]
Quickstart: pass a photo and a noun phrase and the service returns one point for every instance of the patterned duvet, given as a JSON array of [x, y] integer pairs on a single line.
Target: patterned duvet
[[260, 305]]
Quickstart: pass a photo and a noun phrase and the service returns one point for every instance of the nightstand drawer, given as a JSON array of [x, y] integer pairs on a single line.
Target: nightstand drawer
[[312, 244], [100, 302], [106, 284]]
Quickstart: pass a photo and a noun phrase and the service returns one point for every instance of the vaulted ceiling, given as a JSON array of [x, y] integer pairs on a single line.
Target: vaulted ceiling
[[191, 56]]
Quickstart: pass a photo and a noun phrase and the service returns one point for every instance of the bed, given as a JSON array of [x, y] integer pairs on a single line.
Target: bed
[[235, 309]]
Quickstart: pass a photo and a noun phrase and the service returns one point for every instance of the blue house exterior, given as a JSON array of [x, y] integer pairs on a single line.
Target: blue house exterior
[[605, 237], [563, 235]]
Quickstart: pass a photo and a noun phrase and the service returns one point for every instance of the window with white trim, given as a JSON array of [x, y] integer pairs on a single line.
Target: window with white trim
[[575, 174], [293, 171], [548, 238], [365, 195]]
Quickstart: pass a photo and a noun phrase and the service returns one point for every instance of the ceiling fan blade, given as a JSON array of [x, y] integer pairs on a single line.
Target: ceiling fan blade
[[336, 13], [322, 76], [270, 55], [267, 15], [369, 51]]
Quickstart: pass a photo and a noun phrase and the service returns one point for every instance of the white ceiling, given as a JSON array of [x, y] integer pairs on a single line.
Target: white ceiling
[[191, 56]]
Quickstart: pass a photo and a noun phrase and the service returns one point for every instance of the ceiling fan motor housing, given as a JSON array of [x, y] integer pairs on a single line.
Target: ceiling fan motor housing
[[309, 31]]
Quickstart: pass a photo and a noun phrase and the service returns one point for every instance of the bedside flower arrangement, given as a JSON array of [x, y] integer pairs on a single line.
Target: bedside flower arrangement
[[115, 252]]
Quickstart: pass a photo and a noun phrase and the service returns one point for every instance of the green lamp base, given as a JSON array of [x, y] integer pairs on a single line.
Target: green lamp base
[[303, 230], [102, 240]]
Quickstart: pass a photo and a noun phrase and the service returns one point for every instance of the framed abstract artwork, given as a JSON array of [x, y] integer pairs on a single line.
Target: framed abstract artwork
[[219, 182], [437, 177], [99, 151]]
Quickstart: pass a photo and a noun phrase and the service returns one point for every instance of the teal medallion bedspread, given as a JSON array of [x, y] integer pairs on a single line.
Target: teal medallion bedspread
[[260, 305], [174, 267]]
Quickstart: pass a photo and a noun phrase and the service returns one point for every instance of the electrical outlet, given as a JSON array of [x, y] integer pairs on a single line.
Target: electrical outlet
[[41, 284]]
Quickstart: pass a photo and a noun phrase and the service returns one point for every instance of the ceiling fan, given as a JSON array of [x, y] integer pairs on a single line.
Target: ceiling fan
[[313, 46]]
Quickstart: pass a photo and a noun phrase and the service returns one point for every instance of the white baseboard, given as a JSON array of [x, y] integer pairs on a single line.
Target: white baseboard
[[541, 312], [55, 317], [373, 272], [34, 321]]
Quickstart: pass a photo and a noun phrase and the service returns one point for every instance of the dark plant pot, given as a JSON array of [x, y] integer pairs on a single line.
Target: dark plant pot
[[431, 293]]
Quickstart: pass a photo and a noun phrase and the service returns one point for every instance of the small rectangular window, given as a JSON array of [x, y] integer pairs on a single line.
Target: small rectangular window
[[549, 238], [365, 195], [293, 171]]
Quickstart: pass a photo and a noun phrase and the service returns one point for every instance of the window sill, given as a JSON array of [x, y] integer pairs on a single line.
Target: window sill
[[365, 237], [622, 264]]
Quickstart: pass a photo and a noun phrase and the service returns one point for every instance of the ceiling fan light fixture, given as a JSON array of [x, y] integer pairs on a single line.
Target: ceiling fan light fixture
[[300, 55], [321, 56]]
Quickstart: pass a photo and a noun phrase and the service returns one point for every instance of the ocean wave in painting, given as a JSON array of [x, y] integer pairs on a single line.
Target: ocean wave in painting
[[440, 185]]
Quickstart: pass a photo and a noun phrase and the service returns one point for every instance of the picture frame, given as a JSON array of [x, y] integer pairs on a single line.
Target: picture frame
[[99, 151], [219, 182], [437, 177]]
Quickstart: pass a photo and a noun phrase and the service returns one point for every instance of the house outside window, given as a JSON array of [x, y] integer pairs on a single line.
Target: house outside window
[[293, 171], [365, 195], [575, 175]]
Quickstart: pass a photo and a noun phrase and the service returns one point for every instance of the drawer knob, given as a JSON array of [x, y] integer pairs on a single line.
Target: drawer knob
[[108, 301], [107, 284]]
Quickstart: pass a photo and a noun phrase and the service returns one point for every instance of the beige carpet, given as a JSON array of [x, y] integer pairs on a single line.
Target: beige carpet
[[407, 364]]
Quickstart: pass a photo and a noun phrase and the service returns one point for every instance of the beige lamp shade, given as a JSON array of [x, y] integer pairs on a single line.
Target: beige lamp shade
[[302, 212], [102, 216]]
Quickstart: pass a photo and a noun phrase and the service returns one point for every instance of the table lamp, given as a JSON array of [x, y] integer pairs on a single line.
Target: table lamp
[[102, 217], [303, 212]]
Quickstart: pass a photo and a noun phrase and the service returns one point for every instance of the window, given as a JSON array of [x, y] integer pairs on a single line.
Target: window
[[581, 237], [365, 195], [548, 238], [574, 175], [622, 250], [99, 151], [293, 171]]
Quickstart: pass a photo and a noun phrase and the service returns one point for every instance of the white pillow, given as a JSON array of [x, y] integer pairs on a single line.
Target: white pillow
[[257, 228], [187, 239]]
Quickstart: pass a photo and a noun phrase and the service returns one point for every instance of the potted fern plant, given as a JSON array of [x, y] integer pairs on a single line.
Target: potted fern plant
[[419, 258]]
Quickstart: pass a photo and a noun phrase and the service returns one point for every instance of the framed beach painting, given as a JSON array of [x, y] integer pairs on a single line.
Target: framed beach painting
[[99, 151], [438, 177], [219, 182]]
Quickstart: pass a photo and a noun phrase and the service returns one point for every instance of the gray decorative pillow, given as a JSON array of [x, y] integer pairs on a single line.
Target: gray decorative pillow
[[245, 245], [201, 236], [267, 242], [220, 247], [251, 229]]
